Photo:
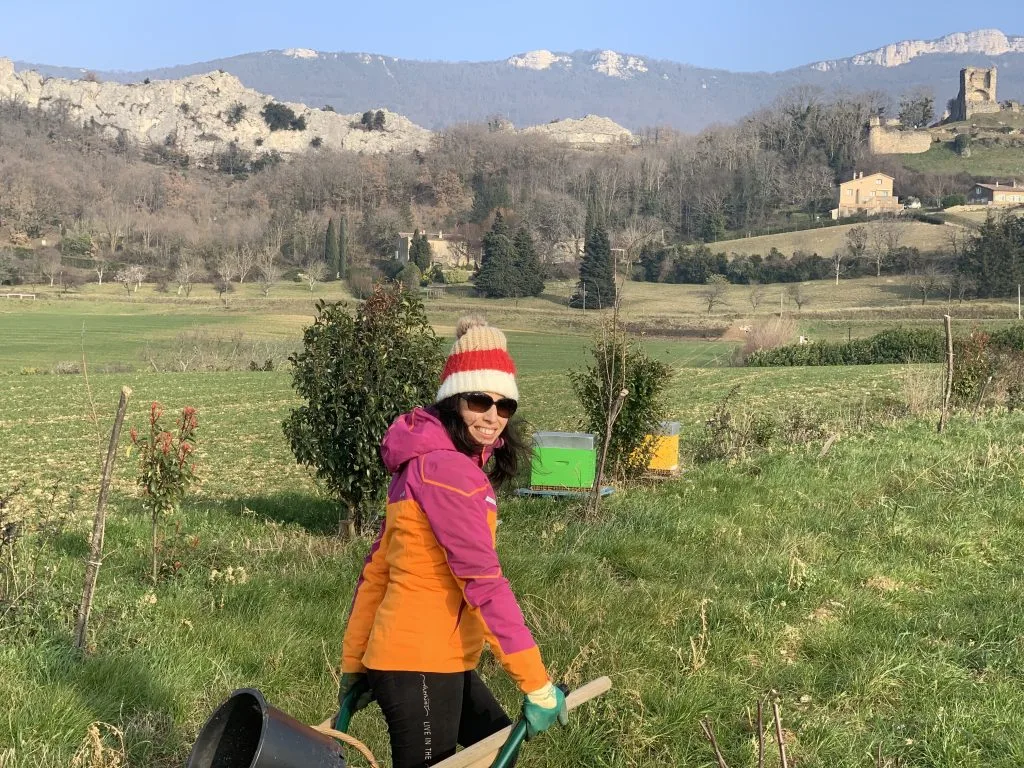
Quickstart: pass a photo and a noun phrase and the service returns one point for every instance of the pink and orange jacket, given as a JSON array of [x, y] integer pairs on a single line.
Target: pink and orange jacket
[[431, 590]]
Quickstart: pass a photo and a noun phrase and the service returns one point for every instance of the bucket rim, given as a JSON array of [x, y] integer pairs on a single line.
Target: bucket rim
[[233, 697]]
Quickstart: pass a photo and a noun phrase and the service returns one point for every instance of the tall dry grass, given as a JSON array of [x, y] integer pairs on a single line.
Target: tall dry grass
[[768, 334], [921, 386]]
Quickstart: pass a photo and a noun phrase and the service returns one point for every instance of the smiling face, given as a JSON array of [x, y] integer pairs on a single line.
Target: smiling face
[[484, 428]]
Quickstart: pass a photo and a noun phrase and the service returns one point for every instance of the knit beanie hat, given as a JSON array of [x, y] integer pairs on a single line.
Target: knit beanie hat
[[479, 362]]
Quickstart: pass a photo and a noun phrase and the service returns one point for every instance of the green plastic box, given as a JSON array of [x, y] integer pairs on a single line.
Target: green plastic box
[[563, 460]]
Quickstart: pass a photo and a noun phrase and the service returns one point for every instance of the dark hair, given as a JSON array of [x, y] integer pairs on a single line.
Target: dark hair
[[508, 457]]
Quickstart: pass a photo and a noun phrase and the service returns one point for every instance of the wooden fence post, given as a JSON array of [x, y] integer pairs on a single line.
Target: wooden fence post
[[92, 566], [948, 391]]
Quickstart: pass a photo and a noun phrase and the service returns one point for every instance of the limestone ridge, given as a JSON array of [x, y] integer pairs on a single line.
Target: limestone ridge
[[537, 87], [988, 42], [202, 115], [590, 130], [608, 63]]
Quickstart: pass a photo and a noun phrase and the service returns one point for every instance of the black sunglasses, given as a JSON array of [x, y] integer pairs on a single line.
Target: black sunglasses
[[481, 402]]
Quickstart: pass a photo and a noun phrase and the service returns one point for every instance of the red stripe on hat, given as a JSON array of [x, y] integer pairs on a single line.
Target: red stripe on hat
[[479, 360]]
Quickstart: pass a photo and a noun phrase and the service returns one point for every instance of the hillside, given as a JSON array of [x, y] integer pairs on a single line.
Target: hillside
[[634, 91], [202, 115]]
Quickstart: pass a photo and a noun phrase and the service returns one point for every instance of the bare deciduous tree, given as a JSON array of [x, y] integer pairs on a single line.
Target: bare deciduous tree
[[131, 277], [713, 294], [267, 270], [798, 295], [856, 245], [927, 279], [48, 264], [316, 270], [756, 295], [185, 274]]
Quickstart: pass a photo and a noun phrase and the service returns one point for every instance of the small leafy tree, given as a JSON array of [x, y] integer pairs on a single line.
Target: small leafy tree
[[355, 376], [410, 276], [378, 120], [235, 114], [166, 464], [281, 117], [619, 364]]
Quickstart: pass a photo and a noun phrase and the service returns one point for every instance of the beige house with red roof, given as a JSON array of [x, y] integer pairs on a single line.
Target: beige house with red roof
[[866, 194]]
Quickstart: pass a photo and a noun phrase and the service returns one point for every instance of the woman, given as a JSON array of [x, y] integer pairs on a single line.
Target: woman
[[432, 591]]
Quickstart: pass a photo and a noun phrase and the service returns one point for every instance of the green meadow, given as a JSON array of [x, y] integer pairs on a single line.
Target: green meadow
[[860, 570]]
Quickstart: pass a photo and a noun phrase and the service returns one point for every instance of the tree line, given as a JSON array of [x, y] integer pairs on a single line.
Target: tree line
[[113, 203]]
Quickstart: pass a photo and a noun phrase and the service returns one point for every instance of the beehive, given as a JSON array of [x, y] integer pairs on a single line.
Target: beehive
[[563, 460], [665, 459]]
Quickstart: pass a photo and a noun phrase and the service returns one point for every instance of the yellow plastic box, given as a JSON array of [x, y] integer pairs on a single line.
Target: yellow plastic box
[[665, 459]]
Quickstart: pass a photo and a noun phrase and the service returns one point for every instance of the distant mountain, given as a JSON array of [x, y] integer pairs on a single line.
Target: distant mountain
[[634, 91]]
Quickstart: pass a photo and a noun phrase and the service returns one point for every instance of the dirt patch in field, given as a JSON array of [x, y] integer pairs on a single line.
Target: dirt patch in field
[[883, 584], [735, 332], [667, 330]]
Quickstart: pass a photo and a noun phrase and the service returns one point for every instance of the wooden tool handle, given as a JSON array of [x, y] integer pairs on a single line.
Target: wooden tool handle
[[483, 753]]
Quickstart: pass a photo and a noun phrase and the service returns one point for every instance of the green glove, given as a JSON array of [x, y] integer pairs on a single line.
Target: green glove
[[354, 692], [542, 708]]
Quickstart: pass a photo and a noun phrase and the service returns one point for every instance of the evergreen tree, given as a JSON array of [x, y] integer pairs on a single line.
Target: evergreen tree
[[331, 254], [343, 249], [419, 251], [497, 278], [527, 267], [596, 288], [995, 258]]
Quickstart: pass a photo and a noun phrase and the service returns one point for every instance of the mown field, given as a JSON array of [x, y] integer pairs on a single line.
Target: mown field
[[873, 590], [165, 333]]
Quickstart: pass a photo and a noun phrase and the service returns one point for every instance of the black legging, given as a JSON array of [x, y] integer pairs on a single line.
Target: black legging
[[428, 714]]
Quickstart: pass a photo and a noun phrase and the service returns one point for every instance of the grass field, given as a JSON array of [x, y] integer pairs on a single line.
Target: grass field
[[873, 589], [824, 241], [999, 162], [159, 333]]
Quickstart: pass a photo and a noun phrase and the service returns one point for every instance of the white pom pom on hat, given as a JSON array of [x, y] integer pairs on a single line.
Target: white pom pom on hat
[[478, 362], [469, 321]]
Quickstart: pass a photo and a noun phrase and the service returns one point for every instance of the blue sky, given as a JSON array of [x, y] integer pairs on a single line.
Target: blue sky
[[732, 34]]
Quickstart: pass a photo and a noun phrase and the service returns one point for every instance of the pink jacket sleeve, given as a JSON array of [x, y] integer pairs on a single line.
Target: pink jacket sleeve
[[458, 507]]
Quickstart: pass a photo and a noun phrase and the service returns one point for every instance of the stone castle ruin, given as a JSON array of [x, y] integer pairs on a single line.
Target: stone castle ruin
[[977, 94], [887, 140]]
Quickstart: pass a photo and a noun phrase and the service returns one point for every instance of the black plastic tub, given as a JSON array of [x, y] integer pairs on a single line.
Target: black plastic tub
[[246, 732]]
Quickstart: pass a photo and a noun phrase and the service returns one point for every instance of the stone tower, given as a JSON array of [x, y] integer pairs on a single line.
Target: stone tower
[[977, 93]]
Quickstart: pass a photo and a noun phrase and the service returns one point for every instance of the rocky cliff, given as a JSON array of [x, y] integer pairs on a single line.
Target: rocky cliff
[[988, 42], [202, 114], [584, 132]]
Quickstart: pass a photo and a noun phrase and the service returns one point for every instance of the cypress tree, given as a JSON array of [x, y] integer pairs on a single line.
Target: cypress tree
[[419, 251], [343, 249], [527, 266], [497, 277], [331, 254]]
